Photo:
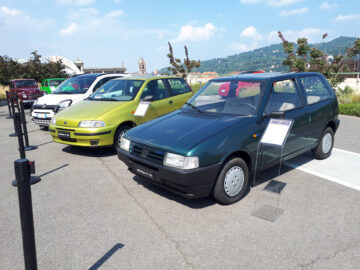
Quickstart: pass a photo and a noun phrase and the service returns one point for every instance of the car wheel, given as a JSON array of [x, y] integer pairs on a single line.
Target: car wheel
[[118, 134], [232, 182], [325, 146]]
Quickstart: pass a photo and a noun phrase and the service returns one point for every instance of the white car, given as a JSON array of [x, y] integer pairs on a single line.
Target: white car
[[71, 91]]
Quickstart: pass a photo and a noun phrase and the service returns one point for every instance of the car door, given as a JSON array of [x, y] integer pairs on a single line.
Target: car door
[[180, 91], [285, 97], [161, 102], [319, 105]]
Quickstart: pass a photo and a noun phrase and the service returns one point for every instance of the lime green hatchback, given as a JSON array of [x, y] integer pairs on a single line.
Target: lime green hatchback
[[49, 85], [116, 107]]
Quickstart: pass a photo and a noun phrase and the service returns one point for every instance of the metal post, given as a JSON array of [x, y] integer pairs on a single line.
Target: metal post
[[13, 113], [8, 103], [23, 121], [33, 179], [22, 174]]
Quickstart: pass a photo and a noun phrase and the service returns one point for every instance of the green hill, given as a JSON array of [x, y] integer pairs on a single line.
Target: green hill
[[267, 58]]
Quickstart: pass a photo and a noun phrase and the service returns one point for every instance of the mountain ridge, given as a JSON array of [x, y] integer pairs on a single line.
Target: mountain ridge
[[268, 58]]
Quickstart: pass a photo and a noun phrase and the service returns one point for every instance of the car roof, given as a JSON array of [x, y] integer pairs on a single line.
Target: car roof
[[95, 75], [56, 79], [266, 76], [147, 77]]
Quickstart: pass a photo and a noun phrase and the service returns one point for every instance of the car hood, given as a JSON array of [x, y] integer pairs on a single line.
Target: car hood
[[55, 99], [180, 131], [87, 110]]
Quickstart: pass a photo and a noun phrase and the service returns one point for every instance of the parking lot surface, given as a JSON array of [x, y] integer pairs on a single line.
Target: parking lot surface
[[91, 213]]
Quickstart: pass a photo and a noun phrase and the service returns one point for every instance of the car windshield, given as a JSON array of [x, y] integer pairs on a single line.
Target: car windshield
[[55, 82], [75, 85], [118, 90], [26, 83], [238, 97]]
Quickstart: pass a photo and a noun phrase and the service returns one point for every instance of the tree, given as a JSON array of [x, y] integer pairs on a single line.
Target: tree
[[314, 60], [177, 67], [33, 69]]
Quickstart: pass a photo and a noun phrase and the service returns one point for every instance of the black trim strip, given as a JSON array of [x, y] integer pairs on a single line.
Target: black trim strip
[[93, 134], [51, 130]]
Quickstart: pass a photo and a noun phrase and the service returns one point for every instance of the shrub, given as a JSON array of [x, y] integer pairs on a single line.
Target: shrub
[[350, 109], [3, 89]]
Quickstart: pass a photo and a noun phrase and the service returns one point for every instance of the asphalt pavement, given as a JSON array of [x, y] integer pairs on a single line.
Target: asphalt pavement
[[91, 213]]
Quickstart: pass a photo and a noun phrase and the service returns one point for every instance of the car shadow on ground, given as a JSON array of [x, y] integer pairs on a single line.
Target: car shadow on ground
[[89, 152], [194, 203]]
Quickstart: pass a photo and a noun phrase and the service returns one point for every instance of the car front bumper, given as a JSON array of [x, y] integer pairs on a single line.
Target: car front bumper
[[194, 183], [87, 137]]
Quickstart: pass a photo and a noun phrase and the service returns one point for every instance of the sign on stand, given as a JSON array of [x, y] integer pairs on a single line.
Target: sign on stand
[[275, 135], [142, 108]]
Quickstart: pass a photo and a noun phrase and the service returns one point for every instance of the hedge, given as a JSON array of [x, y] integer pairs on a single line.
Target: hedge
[[350, 109]]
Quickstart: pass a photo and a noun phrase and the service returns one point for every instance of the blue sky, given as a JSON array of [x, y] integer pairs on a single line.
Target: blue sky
[[103, 33]]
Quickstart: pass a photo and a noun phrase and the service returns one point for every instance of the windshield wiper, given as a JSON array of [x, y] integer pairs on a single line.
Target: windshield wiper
[[194, 107], [65, 92]]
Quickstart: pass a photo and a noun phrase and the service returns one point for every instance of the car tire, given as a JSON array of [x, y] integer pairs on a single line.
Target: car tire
[[232, 183], [118, 134], [325, 146]]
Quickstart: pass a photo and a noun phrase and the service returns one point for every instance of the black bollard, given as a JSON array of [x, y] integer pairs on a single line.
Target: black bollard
[[13, 97], [33, 179], [23, 121], [22, 174], [10, 116]]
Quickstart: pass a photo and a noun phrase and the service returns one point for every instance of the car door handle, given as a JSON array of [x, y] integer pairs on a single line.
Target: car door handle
[[170, 102]]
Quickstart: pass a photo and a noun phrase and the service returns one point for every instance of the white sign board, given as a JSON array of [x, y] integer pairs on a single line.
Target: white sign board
[[277, 131], [142, 108]]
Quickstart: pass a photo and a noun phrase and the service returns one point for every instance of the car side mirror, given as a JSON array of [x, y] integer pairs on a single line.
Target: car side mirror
[[148, 98], [275, 115]]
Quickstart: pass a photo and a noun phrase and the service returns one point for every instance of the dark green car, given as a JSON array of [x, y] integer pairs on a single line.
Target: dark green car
[[49, 85], [209, 146]]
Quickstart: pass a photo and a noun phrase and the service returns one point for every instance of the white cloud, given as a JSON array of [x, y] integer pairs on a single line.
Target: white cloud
[[82, 13], [192, 33], [281, 3], [118, 1], [294, 11], [274, 3], [115, 13], [8, 11], [250, 1], [251, 32], [347, 17], [325, 5], [162, 48], [75, 2], [71, 29], [239, 47]]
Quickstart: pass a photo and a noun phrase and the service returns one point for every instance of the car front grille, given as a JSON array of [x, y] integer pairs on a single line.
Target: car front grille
[[41, 122], [147, 152]]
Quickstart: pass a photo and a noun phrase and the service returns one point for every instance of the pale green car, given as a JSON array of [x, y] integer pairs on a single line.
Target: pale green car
[[102, 119]]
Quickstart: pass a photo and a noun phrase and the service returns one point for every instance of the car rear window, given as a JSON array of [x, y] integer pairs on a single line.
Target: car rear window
[[315, 89]]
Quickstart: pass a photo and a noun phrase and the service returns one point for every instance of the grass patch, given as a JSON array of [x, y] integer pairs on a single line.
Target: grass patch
[[3, 90], [350, 109]]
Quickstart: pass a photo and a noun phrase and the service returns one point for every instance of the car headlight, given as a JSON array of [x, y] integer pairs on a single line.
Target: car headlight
[[24, 95], [125, 144], [35, 102], [91, 124], [64, 104], [53, 121], [181, 162]]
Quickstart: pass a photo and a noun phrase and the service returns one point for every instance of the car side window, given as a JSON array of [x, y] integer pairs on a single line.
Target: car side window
[[283, 97], [315, 89], [156, 89], [178, 86], [102, 82]]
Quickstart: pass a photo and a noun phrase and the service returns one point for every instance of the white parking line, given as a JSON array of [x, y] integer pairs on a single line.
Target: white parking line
[[342, 167]]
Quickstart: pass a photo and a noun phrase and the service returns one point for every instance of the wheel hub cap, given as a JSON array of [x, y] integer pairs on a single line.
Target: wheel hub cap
[[234, 180], [326, 143]]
